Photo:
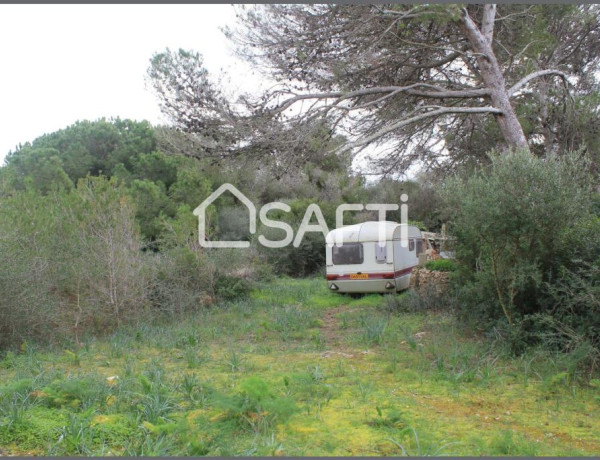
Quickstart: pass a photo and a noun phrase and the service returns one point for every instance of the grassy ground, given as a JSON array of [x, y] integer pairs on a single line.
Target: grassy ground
[[294, 370]]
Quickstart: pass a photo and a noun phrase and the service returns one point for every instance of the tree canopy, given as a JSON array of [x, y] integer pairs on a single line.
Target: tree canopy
[[436, 84]]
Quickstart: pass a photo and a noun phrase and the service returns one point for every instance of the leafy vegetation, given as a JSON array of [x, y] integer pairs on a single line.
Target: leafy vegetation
[[121, 335], [97, 231], [261, 385], [522, 225], [441, 265]]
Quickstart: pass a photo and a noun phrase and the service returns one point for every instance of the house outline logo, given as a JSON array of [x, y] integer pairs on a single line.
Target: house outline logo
[[305, 226], [200, 211]]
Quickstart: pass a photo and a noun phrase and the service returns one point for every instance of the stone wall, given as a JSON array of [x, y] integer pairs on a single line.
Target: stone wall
[[422, 280]]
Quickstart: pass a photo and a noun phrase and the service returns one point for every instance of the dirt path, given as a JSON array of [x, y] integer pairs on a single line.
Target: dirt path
[[334, 335]]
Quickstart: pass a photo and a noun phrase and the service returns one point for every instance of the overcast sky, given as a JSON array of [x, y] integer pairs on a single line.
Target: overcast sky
[[63, 63]]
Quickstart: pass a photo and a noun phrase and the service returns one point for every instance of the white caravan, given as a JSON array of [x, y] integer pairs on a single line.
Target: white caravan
[[357, 263]]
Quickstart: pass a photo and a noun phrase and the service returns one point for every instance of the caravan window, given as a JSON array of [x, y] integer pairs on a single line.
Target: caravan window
[[411, 244], [380, 253], [347, 254], [419, 246]]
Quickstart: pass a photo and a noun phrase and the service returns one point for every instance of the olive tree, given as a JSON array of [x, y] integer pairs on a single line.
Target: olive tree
[[514, 226]]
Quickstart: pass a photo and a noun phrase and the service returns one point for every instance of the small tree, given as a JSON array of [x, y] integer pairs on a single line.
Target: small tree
[[513, 223], [28, 304], [110, 266]]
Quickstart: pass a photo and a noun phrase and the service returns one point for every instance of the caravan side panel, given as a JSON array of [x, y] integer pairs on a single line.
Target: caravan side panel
[[405, 259]]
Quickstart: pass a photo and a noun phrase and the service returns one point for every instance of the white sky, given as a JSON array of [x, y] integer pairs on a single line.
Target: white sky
[[63, 63]]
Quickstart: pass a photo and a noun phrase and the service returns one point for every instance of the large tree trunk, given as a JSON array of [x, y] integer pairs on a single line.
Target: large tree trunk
[[481, 43]]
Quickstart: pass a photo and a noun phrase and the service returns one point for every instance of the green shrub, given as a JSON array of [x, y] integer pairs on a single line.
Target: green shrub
[[232, 288], [576, 295], [441, 265], [521, 225], [72, 263], [256, 406], [307, 259], [181, 278], [85, 391]]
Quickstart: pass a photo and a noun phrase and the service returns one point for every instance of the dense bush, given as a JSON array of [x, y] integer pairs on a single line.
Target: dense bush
[[441, 265], [575, 296], [27, 302], [231, 287], [183, 281], [309, 257], [72, 262], [525, 232]]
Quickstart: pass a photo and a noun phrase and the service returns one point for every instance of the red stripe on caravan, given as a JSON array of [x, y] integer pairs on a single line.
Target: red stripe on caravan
[[404, 271], [373, 276]]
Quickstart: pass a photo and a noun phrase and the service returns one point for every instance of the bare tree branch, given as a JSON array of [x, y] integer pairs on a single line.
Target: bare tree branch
[[540, 73], [512, 15], [367, 71], [436, 93], [407, 121]]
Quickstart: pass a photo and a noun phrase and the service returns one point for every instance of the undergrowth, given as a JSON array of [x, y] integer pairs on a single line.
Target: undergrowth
[[296, 370]]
